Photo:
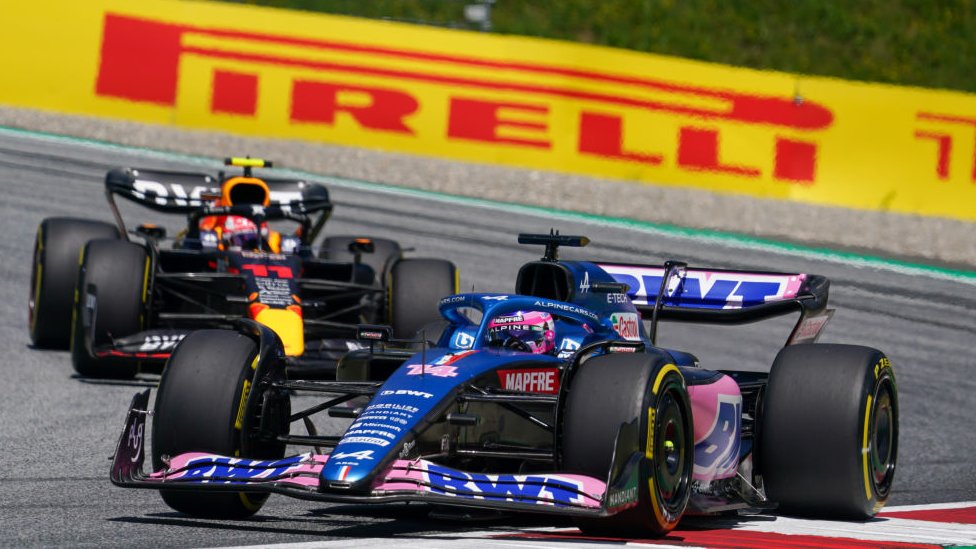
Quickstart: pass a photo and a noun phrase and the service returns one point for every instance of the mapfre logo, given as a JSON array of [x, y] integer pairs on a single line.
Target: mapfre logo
[[315, 85], [530, 381]]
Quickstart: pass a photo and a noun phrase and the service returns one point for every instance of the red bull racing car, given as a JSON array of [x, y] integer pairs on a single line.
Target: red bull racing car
[[132, 296], [553, 399]]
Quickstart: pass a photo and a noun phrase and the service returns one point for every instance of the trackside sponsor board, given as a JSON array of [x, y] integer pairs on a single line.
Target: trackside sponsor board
[[499, 99]]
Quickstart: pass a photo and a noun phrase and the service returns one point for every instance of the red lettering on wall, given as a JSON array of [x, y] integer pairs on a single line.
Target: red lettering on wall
[[795, 160], [602, 135], [944, 142], [698, 150], [234, 93], [478, 120], [319, 102], [140, 60]]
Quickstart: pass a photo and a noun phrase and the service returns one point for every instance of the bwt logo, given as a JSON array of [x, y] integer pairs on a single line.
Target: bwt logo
[[141, 58], [541, 490], [712, 290]]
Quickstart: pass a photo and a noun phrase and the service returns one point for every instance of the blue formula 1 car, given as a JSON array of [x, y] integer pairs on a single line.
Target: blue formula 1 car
[[554, 399]]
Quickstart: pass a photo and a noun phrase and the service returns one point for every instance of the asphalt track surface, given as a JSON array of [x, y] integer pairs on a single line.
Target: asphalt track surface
[[57, 431]]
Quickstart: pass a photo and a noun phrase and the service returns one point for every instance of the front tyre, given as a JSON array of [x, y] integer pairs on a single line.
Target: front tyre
[[110, 301], [199, 407], [828, 442], [609, 391]]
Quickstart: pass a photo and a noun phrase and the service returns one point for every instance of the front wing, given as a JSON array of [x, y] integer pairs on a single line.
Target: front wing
[[404, 480]]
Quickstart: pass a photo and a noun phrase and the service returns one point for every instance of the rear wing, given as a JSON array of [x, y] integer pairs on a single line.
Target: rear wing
[[185, 192], [715, 296], [193, 193]]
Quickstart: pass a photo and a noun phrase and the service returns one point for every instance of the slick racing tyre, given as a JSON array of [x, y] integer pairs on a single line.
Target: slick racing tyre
[[199, 407], [646, 392], [385, 252], [54, 275], [828, 440], [414, 289], [109, 303]]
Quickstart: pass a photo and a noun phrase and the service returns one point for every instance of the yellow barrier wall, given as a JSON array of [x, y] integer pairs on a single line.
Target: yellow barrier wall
[[506, 100]]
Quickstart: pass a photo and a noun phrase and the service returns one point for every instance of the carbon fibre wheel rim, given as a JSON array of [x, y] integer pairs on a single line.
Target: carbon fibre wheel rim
[[883, 434], [671, 473]]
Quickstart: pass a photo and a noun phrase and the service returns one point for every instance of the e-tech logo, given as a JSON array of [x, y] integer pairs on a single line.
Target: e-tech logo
[[707, 289], [537, 489]]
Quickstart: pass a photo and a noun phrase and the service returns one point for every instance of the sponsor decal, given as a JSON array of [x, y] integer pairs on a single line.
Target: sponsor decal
[[135, 440], [242, 406], [453, 299], [567, 308], [162, 342], [494, 297], [463, 340], [544, 380], [706, 289], [351, 458], [388, 406], [568, 347], [538, 489], [362, 424], [161, 193], [619, 498], [407, 448], [508, 319], [717, 453], [617, 298], [585, 283], [627, 325], [230, 469], [431, 369], [440, 367], [406, 392], [374, 432], [366, 440], [621, 349]]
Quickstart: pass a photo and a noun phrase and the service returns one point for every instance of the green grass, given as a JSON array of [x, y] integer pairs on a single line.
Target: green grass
[[928, 43]]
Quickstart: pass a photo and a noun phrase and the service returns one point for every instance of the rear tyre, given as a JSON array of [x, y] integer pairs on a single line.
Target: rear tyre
[[109, 303], [385, 252], [414, 288], [829, 435], [202, 393], [54, 274], [609, 391]]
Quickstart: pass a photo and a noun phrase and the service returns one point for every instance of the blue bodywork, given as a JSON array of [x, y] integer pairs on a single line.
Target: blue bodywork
[[426, 383]]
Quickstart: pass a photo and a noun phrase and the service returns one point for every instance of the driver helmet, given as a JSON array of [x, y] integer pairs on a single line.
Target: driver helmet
[[528, 331], [241, 232]]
